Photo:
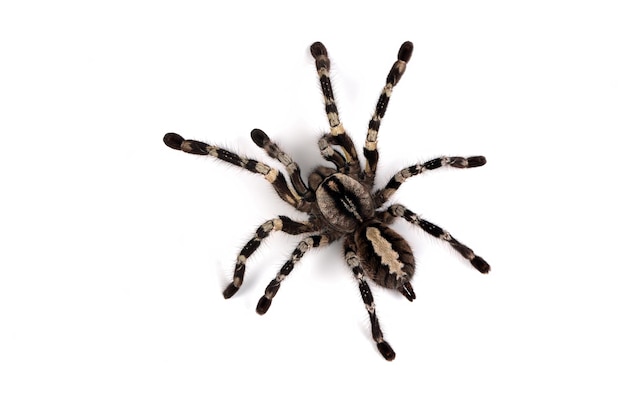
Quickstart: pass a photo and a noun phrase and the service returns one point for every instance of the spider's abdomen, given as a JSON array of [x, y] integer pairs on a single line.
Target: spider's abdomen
[[386, 257], [344, 202]]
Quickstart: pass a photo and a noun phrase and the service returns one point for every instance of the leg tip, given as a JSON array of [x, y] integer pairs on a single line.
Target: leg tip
[[385, 349], [480, 264], [230, 291], [173, 140], [259, 137], [476, 161], [263, 305], [318, 49], [405, 52]]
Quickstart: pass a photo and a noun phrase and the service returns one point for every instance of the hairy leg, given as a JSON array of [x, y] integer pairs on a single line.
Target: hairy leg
[[401, 176], [281, 223], [338, 135], [270, 292], [371, 142], [366, 294], [263, 141], [276, 178], [398, 210]]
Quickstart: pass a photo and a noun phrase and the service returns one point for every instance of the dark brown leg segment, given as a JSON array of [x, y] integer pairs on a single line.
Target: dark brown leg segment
[[263, 141], [270, 292], [400, 177], [366, 293], [338, 135], [282, 223], [477, 262], [371, 142], [276, 178]]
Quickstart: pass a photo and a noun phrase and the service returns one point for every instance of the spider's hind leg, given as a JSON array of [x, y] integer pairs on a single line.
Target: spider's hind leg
[[281, 223], [366, 293], [307, 243], [397, 210]]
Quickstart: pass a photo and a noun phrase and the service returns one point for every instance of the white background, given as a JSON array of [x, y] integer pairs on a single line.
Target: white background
[[115, 248]]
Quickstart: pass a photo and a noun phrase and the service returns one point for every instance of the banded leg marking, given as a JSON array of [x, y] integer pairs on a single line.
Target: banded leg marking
[[400, 177], [281, 223], [338, 135], [275, 177], [368, 299], [477, 262], [270, 292], [371, 142], [261, 139]]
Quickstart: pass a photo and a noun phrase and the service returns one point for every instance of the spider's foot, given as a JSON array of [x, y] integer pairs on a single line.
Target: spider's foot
[[259, 137], [405, 52], [480, 264], [263, 305], [318, 49], [470, 162], [385, 349], [407, 291], [230, 291], [173, 140], [476, 161]]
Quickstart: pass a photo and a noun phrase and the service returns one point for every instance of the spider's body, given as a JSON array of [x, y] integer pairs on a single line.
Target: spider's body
[[341, 202]]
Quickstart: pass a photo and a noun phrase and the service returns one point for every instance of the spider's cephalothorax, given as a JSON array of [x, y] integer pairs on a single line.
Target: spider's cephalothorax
[[341, 202]]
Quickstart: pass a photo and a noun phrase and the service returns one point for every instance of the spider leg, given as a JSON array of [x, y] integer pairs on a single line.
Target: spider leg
[[281, 223], [276, 178], [331, 154], [366, 293], [338, 135], [371, 142], [398, 210], [307, 243], [394, 183], [261, 139]]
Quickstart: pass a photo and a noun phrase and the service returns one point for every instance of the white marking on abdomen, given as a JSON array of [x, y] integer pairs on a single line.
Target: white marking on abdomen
[[383, 248]]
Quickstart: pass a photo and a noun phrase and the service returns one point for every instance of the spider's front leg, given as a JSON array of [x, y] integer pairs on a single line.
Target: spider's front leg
[[398, 210], [281, 223], [307, 243], [366, 293], [337, 135], [275, 177], [370, 150], [263, 141]]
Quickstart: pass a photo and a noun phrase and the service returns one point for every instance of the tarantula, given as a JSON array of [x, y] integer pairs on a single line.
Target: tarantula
[[341, 202]]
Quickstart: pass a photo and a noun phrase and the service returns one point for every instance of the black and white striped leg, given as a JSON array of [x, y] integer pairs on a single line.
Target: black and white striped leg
[[261, 139], [270, 292], [281, 223], [400, 177], [477, 262], [275, 177], [371, 142], [368, 299], [338, 134]]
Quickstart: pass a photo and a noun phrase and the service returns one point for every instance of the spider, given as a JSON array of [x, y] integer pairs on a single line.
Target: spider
[[341, 202]]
